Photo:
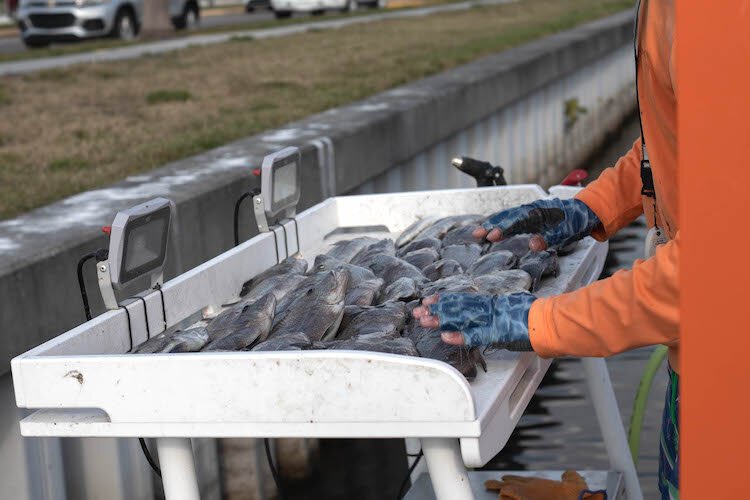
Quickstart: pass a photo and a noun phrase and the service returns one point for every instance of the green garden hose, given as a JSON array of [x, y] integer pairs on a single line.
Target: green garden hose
[[641, 397]]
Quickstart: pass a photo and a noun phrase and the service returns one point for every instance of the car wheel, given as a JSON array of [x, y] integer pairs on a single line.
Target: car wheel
[[282, 14], [190, 18], [35, 43], [350, 6], [319, 12], [125, 27]]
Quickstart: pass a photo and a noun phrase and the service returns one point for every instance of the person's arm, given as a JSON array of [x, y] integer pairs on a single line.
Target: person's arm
[[631, 309], [615, 196]]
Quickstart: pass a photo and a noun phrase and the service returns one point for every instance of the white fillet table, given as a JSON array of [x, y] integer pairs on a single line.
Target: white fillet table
[[84, 384]]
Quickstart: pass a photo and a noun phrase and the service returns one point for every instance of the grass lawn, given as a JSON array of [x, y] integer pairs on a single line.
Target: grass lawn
[[67, 130]]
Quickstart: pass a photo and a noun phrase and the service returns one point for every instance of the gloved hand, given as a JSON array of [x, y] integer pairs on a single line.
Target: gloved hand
[[572, 487], [557, 222], [474, 319]]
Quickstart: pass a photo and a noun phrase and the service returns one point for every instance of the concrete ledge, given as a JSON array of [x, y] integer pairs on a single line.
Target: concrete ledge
[[39, 295]]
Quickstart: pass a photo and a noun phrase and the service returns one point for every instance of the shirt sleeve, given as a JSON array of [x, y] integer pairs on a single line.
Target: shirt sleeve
[[615, 197], [631, 309]]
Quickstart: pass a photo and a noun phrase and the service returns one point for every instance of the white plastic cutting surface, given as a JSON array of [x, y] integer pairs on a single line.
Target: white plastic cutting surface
[[88, 386]]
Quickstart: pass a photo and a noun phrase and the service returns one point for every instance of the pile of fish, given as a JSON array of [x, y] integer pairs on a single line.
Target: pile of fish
[[360, 294]]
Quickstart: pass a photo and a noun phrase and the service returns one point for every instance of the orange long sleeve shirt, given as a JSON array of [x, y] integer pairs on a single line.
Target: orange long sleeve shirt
[[637, 307]]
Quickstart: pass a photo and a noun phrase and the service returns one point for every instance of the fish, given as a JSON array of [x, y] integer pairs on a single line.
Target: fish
[[442, 269], [462, 235], [415, 229], [190, 340], [279, 286], [456, 283], [504, 282], [364, 293], [539, 265], [403, 289], [419, 244], [382, 247], [430, 345], [390, 268], [310, 281], [295, 341], [291, 265], [502, 260], [357, 274], [518, 245], [400, 345], [421, 258], [387, 319], [351, 312], [465, 255], [442, 226], [251, 326], [318, 311], [346, 250]]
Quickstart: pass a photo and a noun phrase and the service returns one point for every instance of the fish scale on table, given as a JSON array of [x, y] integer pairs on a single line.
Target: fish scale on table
[[360, 294]]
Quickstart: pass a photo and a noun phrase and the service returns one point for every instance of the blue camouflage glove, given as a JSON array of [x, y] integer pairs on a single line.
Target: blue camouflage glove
[[501, 320], [558, 222]]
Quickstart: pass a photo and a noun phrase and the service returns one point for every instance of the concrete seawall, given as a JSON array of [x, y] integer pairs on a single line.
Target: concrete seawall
[[508, 108]]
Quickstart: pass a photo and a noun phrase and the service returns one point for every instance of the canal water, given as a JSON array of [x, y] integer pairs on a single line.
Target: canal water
[[559, 428]]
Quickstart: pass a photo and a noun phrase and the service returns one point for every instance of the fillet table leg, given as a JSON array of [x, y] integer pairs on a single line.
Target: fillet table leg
[[177, 468], [610, 423], [447, 471]]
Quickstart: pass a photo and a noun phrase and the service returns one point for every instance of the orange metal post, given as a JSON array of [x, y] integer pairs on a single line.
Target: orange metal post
[[713, 65]]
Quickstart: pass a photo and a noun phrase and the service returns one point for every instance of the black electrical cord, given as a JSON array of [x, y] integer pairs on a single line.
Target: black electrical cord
[[82, 285], [237, 217], [99, 255], [149, 458], [102, 255], [405, 482], [274, 472]]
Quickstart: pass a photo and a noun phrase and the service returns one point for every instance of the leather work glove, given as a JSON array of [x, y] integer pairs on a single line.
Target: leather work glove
[[556, 222], [473, 319], [572, 487]]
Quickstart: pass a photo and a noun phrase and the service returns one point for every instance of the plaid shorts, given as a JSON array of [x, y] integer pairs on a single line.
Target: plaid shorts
[[669, 446]]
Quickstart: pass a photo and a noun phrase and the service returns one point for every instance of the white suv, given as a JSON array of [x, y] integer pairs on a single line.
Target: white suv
[[45, 21]]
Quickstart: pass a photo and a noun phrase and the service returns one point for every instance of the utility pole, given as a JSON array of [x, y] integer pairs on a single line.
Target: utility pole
[[156, 19]]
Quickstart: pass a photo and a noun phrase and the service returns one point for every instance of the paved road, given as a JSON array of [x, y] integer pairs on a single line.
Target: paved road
[[138, 50], [13, 44]]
